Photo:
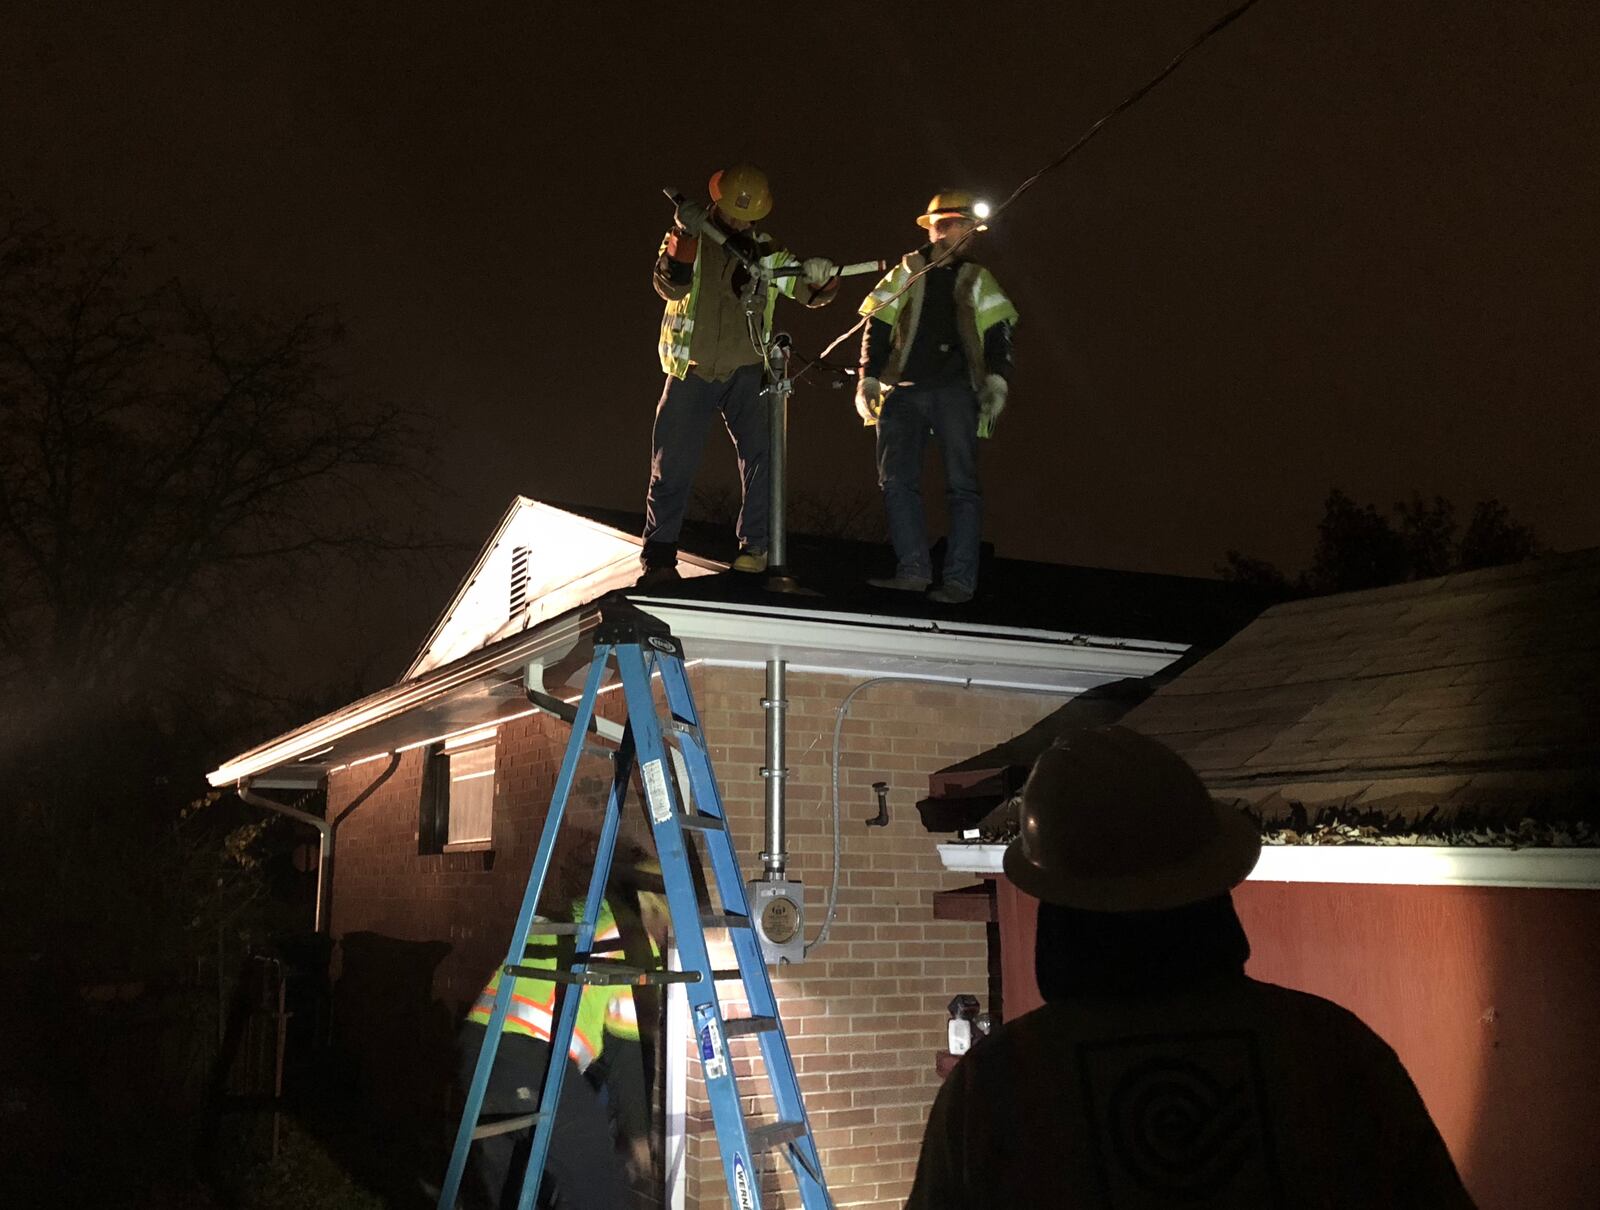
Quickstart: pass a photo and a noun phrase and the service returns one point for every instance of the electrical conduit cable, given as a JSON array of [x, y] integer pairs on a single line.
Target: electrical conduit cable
[[838, 734]]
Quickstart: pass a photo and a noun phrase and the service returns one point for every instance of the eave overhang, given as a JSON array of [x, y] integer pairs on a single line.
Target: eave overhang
[[486, 687]]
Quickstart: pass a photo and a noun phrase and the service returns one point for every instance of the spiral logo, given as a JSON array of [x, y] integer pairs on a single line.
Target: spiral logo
[[1178, 1122]]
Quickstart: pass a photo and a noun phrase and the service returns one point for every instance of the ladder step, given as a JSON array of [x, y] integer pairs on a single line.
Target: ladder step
[[703, 823], [775, 1135], [723, 920], [554, 928], [742, 1027], [487, 1130], [603, 973]]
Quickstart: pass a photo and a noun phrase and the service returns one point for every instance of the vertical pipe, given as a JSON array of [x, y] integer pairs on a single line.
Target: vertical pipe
[[775, 859], [324, 846], [778, 453]]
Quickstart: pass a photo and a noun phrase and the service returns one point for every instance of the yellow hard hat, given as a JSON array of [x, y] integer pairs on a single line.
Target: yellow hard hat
[[954, 203], [742, 192]]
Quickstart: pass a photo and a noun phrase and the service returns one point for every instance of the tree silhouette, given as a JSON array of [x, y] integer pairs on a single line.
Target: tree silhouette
[[164, 460], [1358, 547]]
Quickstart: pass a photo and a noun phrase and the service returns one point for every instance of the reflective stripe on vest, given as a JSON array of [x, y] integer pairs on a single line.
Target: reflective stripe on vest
[[676, 344], [889, 296], [523, 1016]]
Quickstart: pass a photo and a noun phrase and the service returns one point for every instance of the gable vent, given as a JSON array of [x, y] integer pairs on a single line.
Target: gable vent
[[519, 579]]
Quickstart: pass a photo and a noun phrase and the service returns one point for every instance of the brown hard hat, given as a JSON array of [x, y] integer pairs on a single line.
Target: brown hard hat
[[1113, 821]]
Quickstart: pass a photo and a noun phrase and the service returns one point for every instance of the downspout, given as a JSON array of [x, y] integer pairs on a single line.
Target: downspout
[[324, 832]]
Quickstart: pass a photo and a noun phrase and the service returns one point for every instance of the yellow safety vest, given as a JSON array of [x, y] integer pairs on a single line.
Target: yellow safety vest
[[897, 301], [601, 1010], [677, 322]]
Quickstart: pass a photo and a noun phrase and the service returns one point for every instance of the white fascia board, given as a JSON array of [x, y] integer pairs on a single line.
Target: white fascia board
[[1377, 865], [560, 635], [1430, 865], [867, 644], [742, 636]]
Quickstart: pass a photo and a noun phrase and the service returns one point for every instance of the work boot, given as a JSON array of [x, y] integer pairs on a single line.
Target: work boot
[[902, 583], [951, 594], [752, 560], [663, 576]]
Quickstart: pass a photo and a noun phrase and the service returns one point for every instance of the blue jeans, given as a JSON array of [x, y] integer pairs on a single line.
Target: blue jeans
[[683, 417], [950, 413]]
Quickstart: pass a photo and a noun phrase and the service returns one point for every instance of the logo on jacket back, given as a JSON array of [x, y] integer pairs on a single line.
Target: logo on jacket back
[[1181, 1119]]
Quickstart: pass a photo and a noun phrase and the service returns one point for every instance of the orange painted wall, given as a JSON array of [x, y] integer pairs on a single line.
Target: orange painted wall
[[1491, 997]]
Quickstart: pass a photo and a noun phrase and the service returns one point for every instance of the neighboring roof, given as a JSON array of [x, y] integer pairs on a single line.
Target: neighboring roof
[[1471, 696], [531, 592]]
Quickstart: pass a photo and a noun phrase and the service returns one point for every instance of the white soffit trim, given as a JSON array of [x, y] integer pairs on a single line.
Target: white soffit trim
[[874, 644], [857, 645], [1377, 865], [561, 634]]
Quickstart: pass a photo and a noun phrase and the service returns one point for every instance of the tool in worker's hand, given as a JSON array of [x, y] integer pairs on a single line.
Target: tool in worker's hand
[[717, 236]]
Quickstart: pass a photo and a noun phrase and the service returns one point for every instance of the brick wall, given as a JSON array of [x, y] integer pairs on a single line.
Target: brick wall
[[865, 1015], [419, 933]]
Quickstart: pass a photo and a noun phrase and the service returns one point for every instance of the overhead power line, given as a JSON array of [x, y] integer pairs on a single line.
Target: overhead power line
[[1127, 102]]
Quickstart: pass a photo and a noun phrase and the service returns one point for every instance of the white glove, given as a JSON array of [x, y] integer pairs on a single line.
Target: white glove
[[869, 400], [991, 402], [691, 217], [817, 270]]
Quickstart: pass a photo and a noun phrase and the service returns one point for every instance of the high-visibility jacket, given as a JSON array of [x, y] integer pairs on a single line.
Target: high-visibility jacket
[[980, 305], [601, 1010], [676, 344]]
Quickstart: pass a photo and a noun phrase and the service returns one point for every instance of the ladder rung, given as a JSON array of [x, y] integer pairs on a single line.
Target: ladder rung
[[724, 974], [487, 1130], [775, 1135], [554, 928], [723, 920], [601, 973], [703, 823], [742, 1027]]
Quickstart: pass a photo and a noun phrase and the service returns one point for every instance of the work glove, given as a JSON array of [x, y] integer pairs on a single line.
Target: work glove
[[991, 402], [817, 270], [690, 217], [869, 400]]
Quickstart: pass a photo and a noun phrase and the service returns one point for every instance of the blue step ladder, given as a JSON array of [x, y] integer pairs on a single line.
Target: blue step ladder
[[641, 647]]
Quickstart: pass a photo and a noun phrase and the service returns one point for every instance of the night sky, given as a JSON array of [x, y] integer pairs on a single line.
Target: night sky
[[1350, 242]]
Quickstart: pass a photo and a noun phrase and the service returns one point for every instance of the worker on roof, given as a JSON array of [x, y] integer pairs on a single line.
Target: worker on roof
[[604, 1107], [935, 357], [1157, 1073], [713, 336]]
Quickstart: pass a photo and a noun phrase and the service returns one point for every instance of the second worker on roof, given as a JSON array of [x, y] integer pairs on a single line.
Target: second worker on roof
[[935, 358]]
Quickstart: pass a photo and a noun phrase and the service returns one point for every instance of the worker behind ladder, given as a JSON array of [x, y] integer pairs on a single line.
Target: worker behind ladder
[[713, 359], [935, 356], [584, 1168]]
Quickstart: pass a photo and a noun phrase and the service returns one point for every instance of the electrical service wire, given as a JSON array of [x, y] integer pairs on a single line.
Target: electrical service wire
[[1132, 99], [838, 734]]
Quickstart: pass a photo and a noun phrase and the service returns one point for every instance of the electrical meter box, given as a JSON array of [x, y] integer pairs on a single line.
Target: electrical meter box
[[777, 906]]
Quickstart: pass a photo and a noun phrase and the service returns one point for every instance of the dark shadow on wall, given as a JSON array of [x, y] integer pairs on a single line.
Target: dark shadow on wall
[[382, 1097]]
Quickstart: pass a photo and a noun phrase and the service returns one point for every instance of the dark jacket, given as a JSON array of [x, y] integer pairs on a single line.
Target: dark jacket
[[1201, 1088]]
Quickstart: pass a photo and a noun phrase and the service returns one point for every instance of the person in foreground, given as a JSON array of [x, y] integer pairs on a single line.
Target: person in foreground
[[1157, 1073]]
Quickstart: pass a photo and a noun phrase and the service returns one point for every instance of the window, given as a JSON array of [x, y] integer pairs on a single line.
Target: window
[[458, 797]]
